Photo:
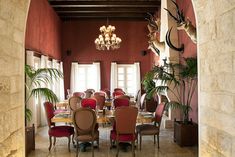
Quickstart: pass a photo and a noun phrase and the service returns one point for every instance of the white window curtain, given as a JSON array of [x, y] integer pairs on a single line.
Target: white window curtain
[[58, 85], [73, 77], [31, 103], [137, 81], [44, 64], [113, 77], [56, 82], [96, 70], [61, 95]]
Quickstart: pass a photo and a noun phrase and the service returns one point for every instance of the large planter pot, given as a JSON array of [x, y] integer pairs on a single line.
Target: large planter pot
[[185, 134], [29, 139]]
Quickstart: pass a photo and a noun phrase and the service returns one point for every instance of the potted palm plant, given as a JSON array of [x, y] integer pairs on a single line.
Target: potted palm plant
[[35, 86], [182, 85]]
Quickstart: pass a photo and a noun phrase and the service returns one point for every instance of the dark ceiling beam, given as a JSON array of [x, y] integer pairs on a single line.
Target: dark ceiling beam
[[132, 9], [128, 9], [138, 4], [110, 14]]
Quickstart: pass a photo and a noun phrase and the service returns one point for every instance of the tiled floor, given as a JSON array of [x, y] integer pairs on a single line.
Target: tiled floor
[[167, 147]]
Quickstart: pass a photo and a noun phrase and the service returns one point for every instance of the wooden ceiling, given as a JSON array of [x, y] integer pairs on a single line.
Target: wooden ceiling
[[103, 9]]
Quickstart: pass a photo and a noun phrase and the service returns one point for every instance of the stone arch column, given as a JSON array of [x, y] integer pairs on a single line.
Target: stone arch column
[[216, 61], [216, 56], [13, 15]]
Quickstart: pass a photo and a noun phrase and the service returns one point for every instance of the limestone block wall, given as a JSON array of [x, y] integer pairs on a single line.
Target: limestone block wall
[[216, 37], [13, 15], [216, 56]]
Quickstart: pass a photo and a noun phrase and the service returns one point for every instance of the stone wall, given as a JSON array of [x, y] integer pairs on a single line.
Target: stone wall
[[216, 54], [13, 15], [216, 40]]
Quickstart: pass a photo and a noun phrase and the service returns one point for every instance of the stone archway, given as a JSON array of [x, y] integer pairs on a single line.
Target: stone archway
[[216, 58], [216, 76], [13, 15]]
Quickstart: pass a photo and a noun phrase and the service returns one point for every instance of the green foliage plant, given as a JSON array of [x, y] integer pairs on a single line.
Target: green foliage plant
[[36, 84], [178, 79]]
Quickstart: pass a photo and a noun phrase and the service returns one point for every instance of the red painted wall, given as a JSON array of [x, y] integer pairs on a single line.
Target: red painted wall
[[190, 49], [43, 30], [79, 36]]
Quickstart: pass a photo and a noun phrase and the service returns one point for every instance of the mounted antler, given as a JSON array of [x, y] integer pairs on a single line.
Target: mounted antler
[[154, 44], [183, 24], [169, 43]]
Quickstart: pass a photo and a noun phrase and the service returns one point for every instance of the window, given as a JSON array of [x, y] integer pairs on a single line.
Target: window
[[85, 76], [125, 76]]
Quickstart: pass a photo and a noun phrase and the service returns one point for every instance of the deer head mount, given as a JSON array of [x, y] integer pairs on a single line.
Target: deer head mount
[[169, 43], [183, 24], [154, 26]]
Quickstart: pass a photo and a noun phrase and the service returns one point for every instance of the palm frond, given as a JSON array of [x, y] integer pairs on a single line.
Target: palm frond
[[29, 71], [45, 92], [189, 70], [28, 114], [47, 74], [173, 77]]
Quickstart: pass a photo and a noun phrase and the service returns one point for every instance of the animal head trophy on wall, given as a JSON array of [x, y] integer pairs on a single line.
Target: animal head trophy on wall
[[183, 24], [154, 26]]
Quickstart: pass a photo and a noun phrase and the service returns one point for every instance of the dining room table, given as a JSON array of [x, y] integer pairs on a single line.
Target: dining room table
[[104, 116]]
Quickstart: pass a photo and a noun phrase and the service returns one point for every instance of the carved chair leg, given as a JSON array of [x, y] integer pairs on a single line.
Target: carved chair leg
[[54, 141], [73, 140], [111, 143], [77, 149], [69, 143], [158, 141], [154, 139], [92, 143], [133, 148], [117, 148], [137, 138], [98, 143], [50, 140]]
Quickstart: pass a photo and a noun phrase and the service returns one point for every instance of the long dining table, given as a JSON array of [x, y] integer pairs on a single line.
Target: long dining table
[[103, 116]]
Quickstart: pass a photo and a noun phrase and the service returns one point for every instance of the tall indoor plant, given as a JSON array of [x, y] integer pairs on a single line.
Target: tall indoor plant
[[178, 79], [181, 81], [36, 84]]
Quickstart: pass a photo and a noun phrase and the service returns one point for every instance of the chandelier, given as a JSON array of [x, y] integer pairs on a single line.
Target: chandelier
[[107, 39]]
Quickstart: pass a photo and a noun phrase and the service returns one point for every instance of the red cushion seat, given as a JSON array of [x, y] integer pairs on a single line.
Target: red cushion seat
[[123, 137], [61, 131]]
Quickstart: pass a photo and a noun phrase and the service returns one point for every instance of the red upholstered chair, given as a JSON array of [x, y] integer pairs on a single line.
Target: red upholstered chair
[[85, 122], [118, 89], [100, 101], [89, 103], [79, 94], [124, 97], [152, 129], [100, 93], [118, 93], [125, 118], [118, 102], [56, 131]]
